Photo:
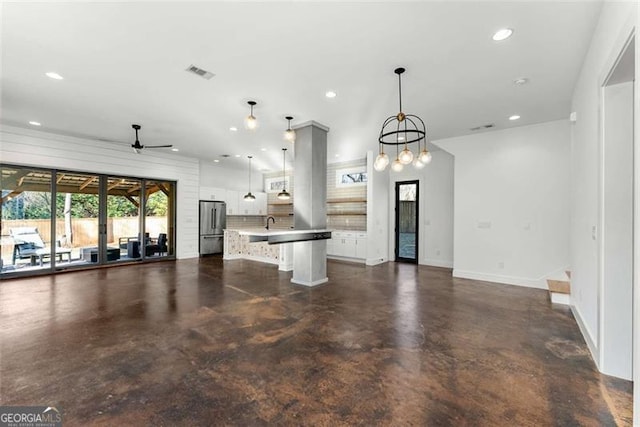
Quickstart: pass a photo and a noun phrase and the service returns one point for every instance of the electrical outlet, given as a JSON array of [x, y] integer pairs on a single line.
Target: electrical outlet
[[501, 265], [438, 252]]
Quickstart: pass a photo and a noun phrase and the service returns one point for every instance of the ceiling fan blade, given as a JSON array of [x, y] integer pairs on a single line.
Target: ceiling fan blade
[[158, 146]]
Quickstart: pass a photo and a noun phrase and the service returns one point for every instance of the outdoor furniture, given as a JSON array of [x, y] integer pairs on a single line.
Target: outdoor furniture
[[90, 254], [29, 244]]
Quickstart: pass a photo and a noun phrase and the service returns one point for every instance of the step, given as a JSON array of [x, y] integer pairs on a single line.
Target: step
[[560, 291]]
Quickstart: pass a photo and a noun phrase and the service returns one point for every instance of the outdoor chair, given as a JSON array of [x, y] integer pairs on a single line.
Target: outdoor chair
[[29, 244]]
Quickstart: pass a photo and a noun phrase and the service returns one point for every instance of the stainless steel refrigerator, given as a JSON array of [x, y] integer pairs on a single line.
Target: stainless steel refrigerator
[[213, 221]]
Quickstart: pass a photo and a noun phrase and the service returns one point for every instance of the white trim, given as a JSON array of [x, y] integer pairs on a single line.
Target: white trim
[[314, 283], [346, 258], [437, 263], [375, 261], [586, 334], [188, 256], [557, 298], [231, 257], [496, 278]]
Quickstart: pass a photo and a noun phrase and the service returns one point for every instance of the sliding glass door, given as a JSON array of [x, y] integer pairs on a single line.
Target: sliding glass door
[[93, 219]]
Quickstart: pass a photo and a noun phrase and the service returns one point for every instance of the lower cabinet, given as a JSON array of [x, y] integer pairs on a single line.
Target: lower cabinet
[[347, 244]]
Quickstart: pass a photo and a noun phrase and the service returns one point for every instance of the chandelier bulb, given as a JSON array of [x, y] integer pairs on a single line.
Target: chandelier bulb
[[397, 166], [418, 164], [406, 156], [425, 156], [382, 160]]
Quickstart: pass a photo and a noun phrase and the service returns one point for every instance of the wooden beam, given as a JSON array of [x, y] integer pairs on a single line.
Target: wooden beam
[[13, 181], [11, 195], [87, 182], [134, 189], [163, 189], [60, 178], [152, 190], [132, 200], [115, 184]]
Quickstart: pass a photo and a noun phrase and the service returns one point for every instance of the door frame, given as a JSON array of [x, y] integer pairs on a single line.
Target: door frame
[[396, 237]]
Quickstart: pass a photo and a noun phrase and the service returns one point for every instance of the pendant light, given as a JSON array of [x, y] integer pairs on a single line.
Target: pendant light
[[401, 130], [284, 194], [289, 134], [251, 122], [249, 197]]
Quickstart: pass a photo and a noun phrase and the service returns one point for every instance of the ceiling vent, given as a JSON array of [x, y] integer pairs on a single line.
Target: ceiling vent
[[199, 72], [487, 126]]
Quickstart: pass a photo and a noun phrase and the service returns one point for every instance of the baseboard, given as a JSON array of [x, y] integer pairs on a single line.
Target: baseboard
[[496, 278], [375, 261], [251, 258], [309, 284], [586, 334], [348, 259], [557, 298], [188, 255], [437, 263]]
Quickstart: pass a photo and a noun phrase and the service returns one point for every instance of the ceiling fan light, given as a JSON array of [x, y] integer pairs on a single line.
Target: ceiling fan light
[[406, 156], [397, 166], [425, 156]]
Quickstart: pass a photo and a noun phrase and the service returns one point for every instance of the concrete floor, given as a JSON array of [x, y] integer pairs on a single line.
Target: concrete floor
[[207, 342]]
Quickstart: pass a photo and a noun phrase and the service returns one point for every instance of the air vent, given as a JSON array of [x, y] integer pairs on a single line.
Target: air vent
[[199, 72], [225, 155], [487, 126]]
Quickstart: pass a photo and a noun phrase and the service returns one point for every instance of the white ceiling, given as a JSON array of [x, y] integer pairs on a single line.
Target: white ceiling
[[124, 62]]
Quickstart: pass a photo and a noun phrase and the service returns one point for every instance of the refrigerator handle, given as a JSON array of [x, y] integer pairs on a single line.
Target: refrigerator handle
[[213, 217]]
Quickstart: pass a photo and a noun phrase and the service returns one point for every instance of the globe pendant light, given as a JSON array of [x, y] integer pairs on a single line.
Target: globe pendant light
[[289, 134], [249, 197], [402, 129], [251, 122], [284, 194]]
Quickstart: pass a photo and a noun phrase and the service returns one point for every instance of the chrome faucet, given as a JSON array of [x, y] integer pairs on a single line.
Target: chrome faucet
[[268, 218]]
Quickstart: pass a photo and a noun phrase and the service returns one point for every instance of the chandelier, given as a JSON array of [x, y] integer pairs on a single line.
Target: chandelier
[[402, 130]]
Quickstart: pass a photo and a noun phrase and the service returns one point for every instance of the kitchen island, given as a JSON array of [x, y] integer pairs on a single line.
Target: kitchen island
[[271, 246]]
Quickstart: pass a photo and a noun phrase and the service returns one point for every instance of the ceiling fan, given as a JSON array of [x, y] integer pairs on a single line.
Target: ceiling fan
[[137, 147]]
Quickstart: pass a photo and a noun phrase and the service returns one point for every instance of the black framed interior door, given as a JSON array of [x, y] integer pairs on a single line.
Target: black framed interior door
[[406, 227]]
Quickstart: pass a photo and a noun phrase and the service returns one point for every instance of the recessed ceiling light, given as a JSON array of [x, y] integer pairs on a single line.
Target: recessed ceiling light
[[263, 149], [35, 123], [401, 138], [54, 76], [233, 129], [514, 117], [521, 81], [175, 149], [216, 161], [502, 34], [237, 155], [330, 94]]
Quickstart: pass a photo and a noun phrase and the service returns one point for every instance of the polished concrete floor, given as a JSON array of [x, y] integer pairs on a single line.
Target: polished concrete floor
[[212, 342]]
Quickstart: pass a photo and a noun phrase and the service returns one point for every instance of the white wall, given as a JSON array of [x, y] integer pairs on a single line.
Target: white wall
[[511, 201], [377, 214], [34, 148], [435, 213], [229, 178], [617, 231], [617, 19]]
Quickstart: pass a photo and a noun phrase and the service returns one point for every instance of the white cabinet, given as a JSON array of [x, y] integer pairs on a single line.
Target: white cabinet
[[213, 193], [256, 207], [232, 202], [261, 203], [361, 245], [348, 244]]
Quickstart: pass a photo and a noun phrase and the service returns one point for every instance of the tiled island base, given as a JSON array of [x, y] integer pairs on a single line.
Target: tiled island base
[[239, 247]]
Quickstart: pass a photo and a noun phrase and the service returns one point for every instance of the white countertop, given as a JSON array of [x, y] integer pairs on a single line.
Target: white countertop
[[276, 232]]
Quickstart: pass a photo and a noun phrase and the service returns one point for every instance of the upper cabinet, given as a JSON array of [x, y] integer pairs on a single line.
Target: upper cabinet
[[232, 202], [212, 193]]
